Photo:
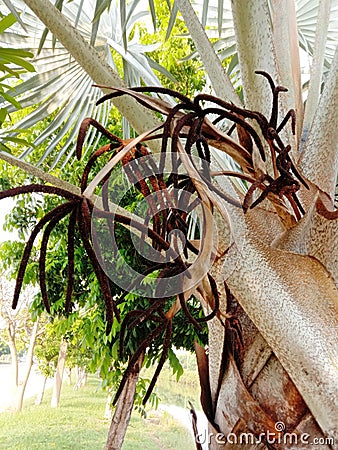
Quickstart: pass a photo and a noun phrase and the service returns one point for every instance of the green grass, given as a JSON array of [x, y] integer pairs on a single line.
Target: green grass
[[162, 433], [78, 424]]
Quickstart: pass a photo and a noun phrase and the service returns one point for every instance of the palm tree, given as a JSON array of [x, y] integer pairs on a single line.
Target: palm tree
[[271, 365]]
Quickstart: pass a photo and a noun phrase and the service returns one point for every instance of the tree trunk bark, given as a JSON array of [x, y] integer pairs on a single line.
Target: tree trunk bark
[[30, 353], [247, 394], [256, 404], [81, 378], [59, 375], [84, 378], [14, 360], [41, 394], [108, 412], [69, 376], [123, 409]]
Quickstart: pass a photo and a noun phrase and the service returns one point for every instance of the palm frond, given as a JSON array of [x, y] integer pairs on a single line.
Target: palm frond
[[62, 87]]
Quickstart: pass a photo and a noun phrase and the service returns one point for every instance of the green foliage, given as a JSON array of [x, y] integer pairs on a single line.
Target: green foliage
[[186, 75], [175, 364], [46, 350], [84, 329], [4, 349], [13, 63]]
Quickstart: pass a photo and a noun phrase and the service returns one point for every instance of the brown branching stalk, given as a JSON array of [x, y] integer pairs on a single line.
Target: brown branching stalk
[[170, 199]]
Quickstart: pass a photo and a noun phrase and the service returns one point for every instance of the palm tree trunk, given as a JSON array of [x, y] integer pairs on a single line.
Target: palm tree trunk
[[257, 405], [14, 358], [246, 393]]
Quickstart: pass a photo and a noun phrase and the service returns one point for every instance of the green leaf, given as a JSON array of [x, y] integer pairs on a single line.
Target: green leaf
[[123, 10], [15, 52], [172, 20], [21, 62], [58, 5], [175, 364], [96, 22], [7, 22], [15, 13], [101, 6], [3, 114], [15, 140], [205, 12], [156, 66], [43, 40], [233, 63], [4, 68], [11, 100], [153, 12], [220, 16]]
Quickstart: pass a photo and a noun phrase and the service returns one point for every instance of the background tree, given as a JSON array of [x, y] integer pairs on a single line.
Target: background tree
[[84, 330], [46, 352], [21, 338]]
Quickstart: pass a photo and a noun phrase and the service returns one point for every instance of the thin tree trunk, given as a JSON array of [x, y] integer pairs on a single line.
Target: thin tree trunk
[[81, 378], [41, 394], [59, 375], [77, 378], [30, 353], [10, 325], [14, 359], [69, 376], [123, 409], [84, 378], [108, 413]]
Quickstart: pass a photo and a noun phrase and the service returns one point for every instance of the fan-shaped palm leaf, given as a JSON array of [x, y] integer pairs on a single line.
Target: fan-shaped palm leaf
[[62, 87]]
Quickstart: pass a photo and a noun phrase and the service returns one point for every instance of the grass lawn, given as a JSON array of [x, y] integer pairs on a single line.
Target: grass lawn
[[78, 424]]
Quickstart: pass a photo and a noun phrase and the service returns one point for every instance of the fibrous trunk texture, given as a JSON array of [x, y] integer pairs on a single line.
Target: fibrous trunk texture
[[258, 403], [249, 398]]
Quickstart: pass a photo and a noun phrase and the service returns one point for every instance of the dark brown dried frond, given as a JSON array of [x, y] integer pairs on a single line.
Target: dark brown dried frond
[[165, 350], [141, 348], [233, 330], [238, 120], [194, 426], [187, 313], [58, 215], [70, 258], [139, 316], [153, 90], [119, 218], [101, 151], [84, 219], [83, 130], [38, 188], [64, 208]]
